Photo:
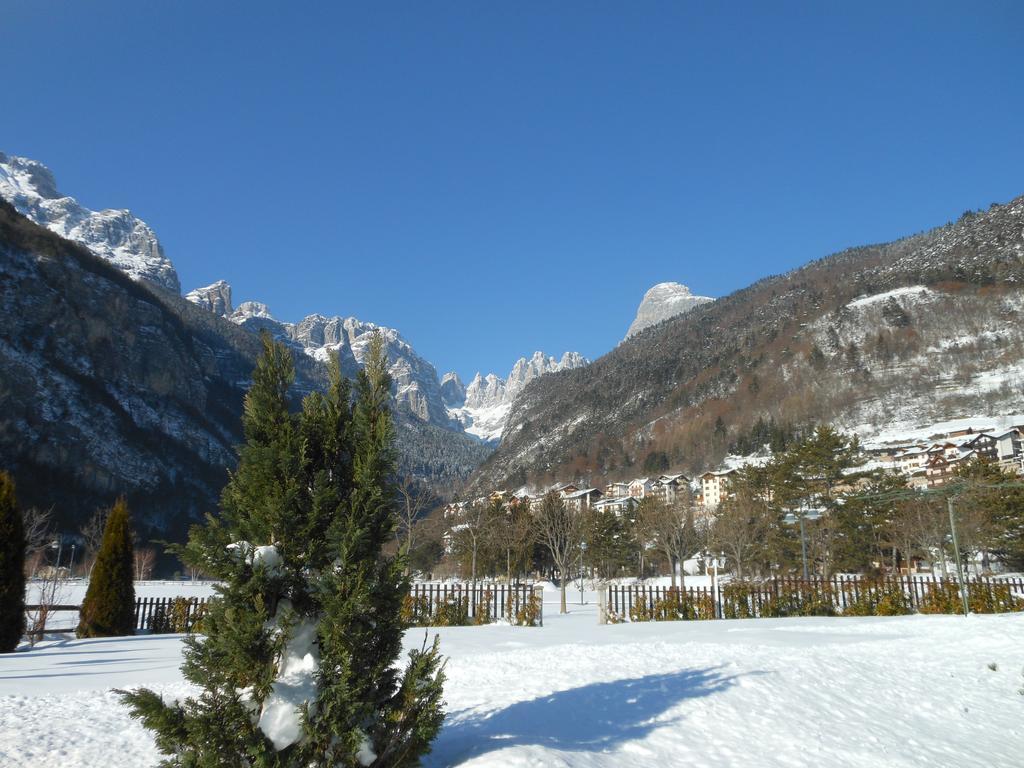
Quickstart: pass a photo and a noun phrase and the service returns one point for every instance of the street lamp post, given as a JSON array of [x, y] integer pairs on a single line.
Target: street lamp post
[[58, 544], [798, 516], [956, 553], [583, 570]]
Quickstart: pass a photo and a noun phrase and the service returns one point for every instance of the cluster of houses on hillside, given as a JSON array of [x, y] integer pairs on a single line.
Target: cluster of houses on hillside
[[931, 464], [925, 464]]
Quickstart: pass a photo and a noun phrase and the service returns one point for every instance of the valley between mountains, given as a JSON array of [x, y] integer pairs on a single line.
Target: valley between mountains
[[116, 383]]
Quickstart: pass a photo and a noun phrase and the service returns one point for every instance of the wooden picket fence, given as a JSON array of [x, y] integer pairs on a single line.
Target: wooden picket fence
[[451, 604], [841, 595], [170, 615], [480, 603], [155, 615]]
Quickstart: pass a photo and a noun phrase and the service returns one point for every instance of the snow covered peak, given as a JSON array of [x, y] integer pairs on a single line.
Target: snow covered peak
[[114, 235], [488, 399], [663, 301], [214, 298], [251, 309]]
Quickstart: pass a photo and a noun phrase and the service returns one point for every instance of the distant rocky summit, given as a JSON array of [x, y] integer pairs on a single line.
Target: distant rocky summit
[[663, 301], [483, 407], [114, 235]]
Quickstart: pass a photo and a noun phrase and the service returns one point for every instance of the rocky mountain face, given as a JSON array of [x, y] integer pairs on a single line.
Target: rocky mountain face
[[662, 302], [912, 332], [114, 235], [415, 383], [214, 298], [111, 386], [483, 407], [108, 386]]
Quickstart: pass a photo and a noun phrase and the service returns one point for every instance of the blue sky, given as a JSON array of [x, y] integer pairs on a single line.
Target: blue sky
[[493, 178]]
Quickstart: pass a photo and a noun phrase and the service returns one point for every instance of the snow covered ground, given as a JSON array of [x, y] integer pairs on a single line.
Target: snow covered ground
[[901, 691]]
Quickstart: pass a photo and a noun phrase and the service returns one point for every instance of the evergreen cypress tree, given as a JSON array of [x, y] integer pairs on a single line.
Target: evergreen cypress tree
[[297, 665], [109, 606], [12, 567]]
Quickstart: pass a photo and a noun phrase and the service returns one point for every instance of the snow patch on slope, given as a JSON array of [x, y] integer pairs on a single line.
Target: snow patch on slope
[[915, 291]]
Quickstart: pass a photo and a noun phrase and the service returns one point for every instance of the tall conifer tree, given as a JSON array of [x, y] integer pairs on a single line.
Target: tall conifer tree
[[108, 609], [12, 567], [297, 667]]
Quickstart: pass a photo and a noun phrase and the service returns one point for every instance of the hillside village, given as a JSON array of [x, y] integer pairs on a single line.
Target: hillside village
[[922, 464]]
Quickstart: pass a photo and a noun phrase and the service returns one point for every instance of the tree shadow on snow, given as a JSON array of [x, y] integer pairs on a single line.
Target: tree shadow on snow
[[591, 718]]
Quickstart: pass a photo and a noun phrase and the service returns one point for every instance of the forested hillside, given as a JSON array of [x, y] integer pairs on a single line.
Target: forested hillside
[[833, 341]]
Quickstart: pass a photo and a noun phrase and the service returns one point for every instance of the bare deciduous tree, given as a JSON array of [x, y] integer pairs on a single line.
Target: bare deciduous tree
[[670, 529], [47, 591], [145, 559], [560, 529], [92, 535], [38, 535], [471, 530], [740, 526], [514, 536], [415, 500]]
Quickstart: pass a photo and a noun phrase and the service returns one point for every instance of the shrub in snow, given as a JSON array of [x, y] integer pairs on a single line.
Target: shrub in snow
[[297, 666], [108, 609], [12, 567]]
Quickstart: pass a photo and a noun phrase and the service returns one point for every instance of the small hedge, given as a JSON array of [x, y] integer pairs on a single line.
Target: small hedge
[[453, 610], [881, 597]]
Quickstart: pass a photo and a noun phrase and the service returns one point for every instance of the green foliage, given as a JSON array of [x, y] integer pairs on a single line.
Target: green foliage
[[982, 597], [108, 609], [12, 567], [526, 613], [993, 597], [737, 599], [183, 616], [298, 547], [882, 597], [673, 605], [943, 597], [425, 555], [452, 612], [611, 543], [803, 599], [640, 610], [655, 462]]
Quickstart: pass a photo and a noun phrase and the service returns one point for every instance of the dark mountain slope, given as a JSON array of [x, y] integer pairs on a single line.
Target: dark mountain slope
[[788, 347], [109, 386]]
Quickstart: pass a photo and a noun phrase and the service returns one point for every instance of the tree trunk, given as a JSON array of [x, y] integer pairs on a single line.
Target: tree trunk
[[564, 609], [473, 566]]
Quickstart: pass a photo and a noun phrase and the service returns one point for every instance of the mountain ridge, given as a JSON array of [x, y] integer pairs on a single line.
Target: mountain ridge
[[786, 347], [112, 234]]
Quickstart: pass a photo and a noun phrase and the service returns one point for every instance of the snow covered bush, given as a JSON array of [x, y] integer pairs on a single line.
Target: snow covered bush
[[297, 666]]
